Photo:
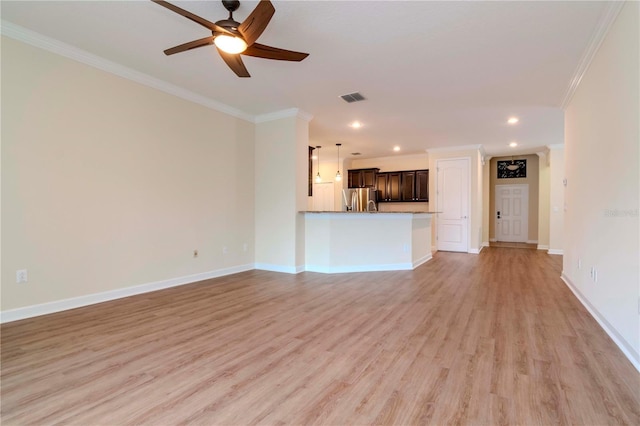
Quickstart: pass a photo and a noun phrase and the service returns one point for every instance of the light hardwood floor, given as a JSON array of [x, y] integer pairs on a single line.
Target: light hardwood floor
[[489, 339]]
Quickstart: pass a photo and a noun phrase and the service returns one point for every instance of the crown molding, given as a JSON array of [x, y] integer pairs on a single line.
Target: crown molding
[[555, 147], [478, 148], [32, 38], [609, 15], [393, 157], [285, 113]]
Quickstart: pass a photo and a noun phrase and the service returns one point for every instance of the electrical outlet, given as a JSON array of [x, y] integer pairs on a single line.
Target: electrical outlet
[[579, 263], [225, 250], [195, 253], [595, 275], [21, 276], [245, 246]]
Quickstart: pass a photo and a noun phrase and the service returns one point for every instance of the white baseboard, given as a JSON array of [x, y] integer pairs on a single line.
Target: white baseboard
[[493, 240], [627, 349], [92, 299], [475, 250], [543, 247], [532, 241], [360, 268], [424, 259], [279, 268], [434, 249], [485, 244], [556, 251]]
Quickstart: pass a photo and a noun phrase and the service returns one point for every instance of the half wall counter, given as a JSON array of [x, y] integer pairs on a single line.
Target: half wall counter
[[366, 241]]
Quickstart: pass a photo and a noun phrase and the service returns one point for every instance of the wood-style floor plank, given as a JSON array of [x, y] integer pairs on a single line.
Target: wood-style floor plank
[[489, 339]]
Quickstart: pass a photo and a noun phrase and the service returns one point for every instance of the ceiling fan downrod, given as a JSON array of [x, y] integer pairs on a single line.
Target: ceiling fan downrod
[[231, 6]]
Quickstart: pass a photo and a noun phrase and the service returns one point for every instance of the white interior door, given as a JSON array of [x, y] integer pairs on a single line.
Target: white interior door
[[453, 204], [323, 197], [512, 213]]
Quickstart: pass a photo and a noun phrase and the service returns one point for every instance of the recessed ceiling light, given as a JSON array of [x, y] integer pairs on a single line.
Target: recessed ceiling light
[[314, 157], [513, 120], [396, 148], [513, 144], [356, 124]]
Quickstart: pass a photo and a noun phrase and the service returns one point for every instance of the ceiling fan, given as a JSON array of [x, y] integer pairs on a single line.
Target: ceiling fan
[[232, 38]]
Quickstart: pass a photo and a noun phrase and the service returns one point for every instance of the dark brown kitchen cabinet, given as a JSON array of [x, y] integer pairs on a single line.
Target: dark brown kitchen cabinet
[[408, 186], [389, 186], [362, 178], [411, 185], [415, 185], [422, 185], [381, 186]]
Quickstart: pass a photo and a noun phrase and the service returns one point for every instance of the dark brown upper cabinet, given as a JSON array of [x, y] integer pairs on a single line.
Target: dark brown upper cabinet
[[389, 186], [410, 185], [362, 178], [422, 185]]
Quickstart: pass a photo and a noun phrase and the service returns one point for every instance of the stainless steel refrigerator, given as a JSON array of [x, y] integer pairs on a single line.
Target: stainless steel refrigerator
[[360, 199]]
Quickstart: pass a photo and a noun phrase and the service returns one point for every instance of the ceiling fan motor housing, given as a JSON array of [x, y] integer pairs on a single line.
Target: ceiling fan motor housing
[[229, 25]]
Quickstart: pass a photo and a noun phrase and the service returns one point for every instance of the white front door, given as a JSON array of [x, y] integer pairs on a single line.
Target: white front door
[[512, 213], [453, 204], [323, 197]]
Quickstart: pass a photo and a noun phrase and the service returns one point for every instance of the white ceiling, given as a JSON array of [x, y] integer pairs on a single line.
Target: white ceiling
[[435, 74]]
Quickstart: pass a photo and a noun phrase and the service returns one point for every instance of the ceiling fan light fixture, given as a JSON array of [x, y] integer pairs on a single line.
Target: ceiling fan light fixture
[[230, 44]]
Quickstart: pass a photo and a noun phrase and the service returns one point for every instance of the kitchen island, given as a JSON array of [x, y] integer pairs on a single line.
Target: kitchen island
[[366, 241]]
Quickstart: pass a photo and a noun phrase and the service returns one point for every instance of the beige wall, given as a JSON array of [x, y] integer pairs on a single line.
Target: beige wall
[[486, 192], [280, 193], [556, 199], [601, 223], [108, 184], [532, 180], [392, 163], [543, 200]]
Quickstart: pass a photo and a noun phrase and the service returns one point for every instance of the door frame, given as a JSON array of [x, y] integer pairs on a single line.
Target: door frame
[[469, 217]]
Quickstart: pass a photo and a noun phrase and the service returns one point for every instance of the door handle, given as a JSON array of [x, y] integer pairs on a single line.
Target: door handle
[[463, 217]]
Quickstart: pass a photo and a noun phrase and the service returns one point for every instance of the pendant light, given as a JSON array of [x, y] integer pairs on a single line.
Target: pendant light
[[338, 176], [513, 166], [318, 178]]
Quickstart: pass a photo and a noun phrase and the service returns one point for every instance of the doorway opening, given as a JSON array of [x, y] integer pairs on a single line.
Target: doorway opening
[[516, 197]]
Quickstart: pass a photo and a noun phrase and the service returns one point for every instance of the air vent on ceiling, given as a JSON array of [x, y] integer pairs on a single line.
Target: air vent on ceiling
[[356, 153], [353, 97]]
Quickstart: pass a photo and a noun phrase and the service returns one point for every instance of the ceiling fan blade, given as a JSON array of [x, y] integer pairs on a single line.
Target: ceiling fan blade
[[261, 51], [191, 45], [195, 18], [235, 63], [257, 21]]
